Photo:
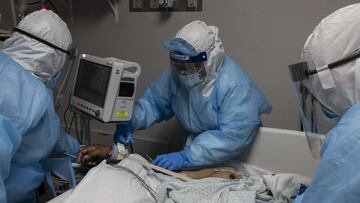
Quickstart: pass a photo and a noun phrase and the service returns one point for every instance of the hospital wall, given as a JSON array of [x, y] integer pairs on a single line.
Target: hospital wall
[[262, 36]]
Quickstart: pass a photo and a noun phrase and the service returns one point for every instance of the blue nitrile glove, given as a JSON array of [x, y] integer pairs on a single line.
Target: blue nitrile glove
[[123, 134], [173, 161]]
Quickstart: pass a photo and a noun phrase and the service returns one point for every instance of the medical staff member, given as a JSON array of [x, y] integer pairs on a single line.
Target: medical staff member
[[328, 84], [211, 96], [30, 62]]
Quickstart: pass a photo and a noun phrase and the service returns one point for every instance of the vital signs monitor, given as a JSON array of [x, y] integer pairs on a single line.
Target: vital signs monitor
[[105, 88]]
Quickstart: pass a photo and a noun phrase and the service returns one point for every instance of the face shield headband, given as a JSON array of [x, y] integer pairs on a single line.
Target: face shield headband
[[311, 107], [201, 57], [187, 65]]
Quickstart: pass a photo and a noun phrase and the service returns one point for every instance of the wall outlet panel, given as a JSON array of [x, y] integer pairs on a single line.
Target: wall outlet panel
[[153, 6], [137, 4]]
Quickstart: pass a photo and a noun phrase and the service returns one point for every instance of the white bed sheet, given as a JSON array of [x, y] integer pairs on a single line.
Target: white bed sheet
[[273, 151], [103, 181]]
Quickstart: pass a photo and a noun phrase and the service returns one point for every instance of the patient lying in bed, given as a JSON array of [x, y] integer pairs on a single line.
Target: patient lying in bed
[[221, 172], [129, 181]]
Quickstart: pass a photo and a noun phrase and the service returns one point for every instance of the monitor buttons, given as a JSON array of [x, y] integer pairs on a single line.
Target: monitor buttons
[[97, 113], [89, 109]]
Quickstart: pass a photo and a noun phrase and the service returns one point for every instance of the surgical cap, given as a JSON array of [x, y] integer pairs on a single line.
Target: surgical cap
[[335, 37], [41, 60]]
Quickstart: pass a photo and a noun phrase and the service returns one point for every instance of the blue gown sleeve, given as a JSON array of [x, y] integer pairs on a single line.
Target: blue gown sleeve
[[337, 178], [155, 103], [67, 143], [10, 140], [239, 119]]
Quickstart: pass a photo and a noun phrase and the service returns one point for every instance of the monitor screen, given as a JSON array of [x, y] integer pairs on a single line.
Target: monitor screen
[[126, 89], [92, 82]]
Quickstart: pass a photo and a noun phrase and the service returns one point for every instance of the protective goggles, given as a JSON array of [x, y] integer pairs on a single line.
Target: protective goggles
[[314, 112], [187, 65], [70, 52]]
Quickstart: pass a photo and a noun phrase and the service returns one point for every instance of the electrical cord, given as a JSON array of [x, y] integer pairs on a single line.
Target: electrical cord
[[66, 110], [82, 126], [76, 126], [75, 117], [131, 147], [71, 122]]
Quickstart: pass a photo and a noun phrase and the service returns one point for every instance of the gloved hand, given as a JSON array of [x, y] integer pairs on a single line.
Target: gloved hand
[[94, 154], [173, 161], [123, 134]]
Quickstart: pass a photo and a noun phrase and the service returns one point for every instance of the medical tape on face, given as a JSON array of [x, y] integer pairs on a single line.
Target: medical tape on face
[[326, 78]]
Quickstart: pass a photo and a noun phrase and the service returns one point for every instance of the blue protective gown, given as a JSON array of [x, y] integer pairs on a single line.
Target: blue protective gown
[[337, 178], [221, 125], [29, 131]]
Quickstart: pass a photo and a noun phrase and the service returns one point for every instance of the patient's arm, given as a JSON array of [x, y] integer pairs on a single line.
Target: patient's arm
[[223, 172], [93, 154]]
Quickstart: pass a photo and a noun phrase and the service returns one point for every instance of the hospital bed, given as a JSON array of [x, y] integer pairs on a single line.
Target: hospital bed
[[273, 151]]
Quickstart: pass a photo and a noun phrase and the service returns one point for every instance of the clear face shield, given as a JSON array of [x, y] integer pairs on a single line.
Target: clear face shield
[[190, 69], [315, 114]]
